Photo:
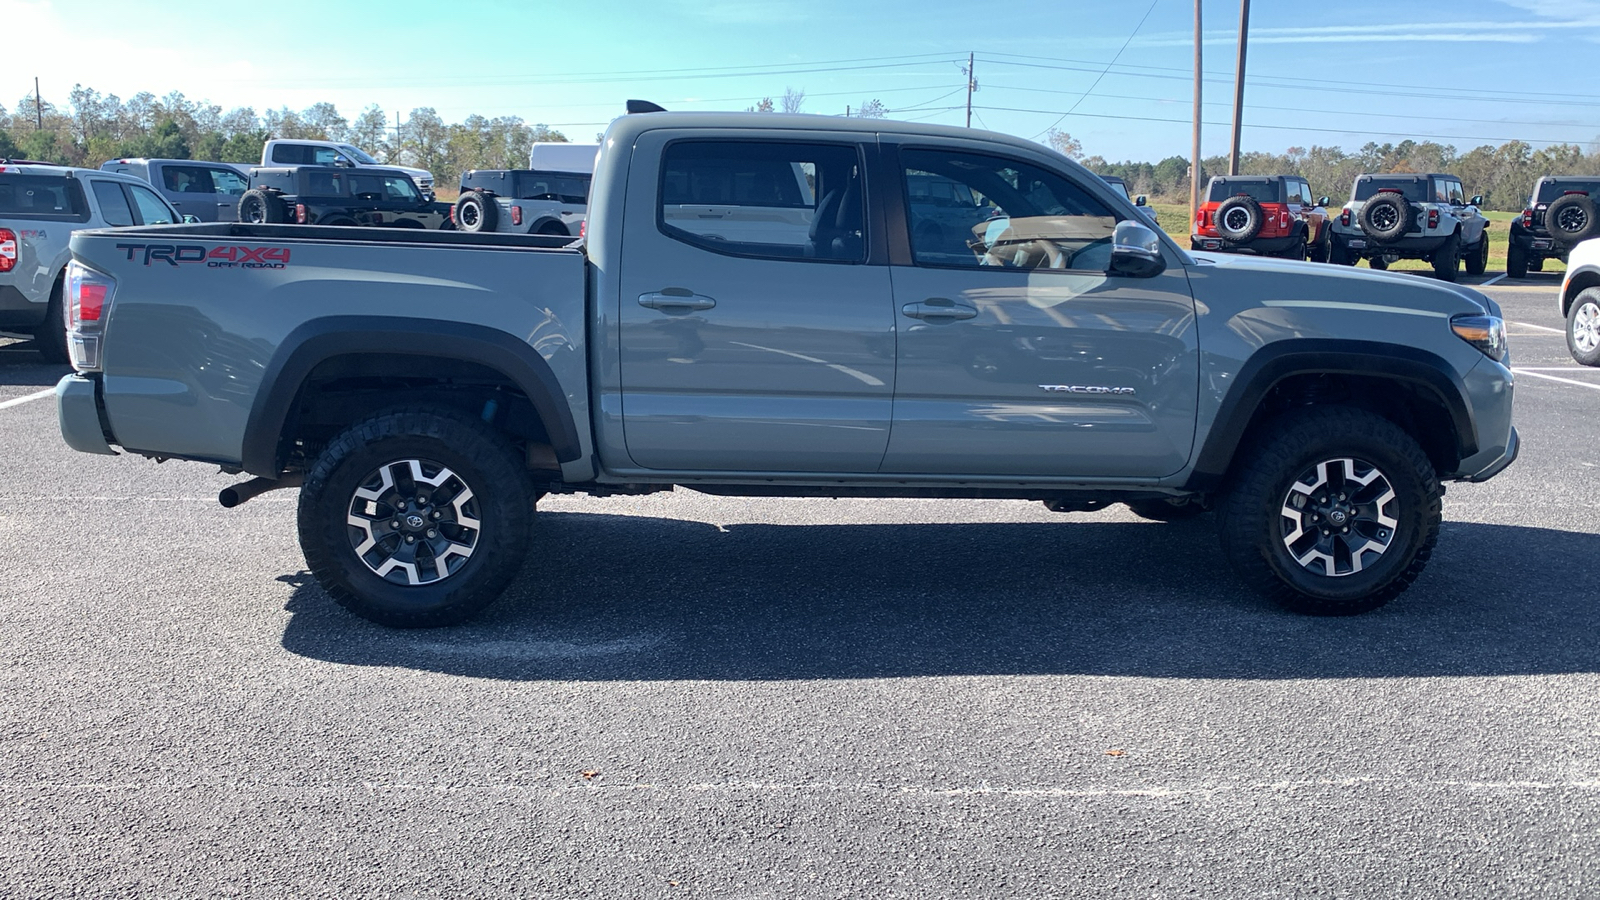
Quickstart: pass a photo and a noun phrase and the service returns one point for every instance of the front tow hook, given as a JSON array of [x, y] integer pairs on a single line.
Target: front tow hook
[[230, 497]]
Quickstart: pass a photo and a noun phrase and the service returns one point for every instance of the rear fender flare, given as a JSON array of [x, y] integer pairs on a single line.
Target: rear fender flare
[[1276, 362], [322, 339]]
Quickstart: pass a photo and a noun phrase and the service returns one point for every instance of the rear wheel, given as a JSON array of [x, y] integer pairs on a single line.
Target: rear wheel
[[1447, 259], [1478, 258], [416, 518], [1335, 511], [50, 338], [1378, 262], [1516, 261], [1583, 327], [1536, 264]]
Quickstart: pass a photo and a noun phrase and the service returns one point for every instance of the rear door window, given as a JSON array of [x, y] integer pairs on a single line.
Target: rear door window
[[187, 180], [152, 209], [49, 197], [290, 154], [113, 202], [765, 199], [228, 181]]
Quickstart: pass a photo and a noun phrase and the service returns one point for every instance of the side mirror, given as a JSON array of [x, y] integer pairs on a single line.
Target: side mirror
[[1322, 201], [191, 220], [1135, 251], [342, 160], [1141, 200], [1477, 199]]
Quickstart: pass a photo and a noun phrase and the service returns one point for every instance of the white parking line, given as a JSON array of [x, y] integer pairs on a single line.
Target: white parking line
[[1493, 280], [1540, 327], [1576, 370], [28, 399], [1585, 384]]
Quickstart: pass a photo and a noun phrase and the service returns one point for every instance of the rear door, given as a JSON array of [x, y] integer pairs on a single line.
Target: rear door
[[1018, 354], [756, 331]]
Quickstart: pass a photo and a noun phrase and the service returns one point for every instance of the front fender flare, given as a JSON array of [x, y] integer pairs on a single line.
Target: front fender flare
[[322, 339]]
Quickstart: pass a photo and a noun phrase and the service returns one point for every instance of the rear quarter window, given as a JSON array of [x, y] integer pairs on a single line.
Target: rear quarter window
[[43, 197]]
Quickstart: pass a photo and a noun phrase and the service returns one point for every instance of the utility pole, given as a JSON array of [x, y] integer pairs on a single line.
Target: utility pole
[[972, 84], [38, 107], [1238, 86], [1194, 149]]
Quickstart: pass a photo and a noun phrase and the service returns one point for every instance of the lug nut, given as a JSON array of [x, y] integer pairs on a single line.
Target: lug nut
[[432, 533], [1346, 530], [395, 524], [410, 539], [423, 499], [437, 514]]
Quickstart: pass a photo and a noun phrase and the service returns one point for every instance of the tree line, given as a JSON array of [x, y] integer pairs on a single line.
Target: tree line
[[92, 128], [1504, 175]]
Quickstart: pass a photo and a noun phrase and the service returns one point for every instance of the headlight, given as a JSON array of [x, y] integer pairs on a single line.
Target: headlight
[[1487, 333]]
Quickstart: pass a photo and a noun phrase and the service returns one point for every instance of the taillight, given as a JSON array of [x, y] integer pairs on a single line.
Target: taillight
[[1433, 218], [583, 228], [1344, 218], [89, 294], [1527, 218], [1283, 219], [8, 250], [300, 213], [516, 214]]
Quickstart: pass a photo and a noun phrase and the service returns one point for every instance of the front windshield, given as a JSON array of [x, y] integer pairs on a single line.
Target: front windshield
[[1550, 190], [1413, 189], [357, 154]]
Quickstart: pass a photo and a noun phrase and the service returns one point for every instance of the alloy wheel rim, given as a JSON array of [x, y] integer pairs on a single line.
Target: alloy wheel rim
[[1572, 220], [1339, 517], [413, 522], [1385, 217], [1586, 327], [469, 214], [1237, 219]]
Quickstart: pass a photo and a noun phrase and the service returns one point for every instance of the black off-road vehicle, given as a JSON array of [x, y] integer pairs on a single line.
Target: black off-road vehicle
[[320, 195], [1561, 212]]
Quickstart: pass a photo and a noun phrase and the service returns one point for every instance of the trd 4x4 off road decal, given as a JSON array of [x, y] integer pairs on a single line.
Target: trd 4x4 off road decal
[[228, 257]]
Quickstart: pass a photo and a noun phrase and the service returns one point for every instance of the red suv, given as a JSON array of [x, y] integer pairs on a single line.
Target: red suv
[[1270, 215]]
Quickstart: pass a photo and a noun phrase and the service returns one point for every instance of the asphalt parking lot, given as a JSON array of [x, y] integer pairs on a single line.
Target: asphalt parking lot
[[693, 696]]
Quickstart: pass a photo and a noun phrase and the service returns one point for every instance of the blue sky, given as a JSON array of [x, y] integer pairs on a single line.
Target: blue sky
[[1464, 72]]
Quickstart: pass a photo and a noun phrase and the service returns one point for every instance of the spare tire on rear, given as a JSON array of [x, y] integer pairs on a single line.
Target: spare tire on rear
[[1238, 218], [476, 211], [1571, 218], [258, 207], [1387, 216]]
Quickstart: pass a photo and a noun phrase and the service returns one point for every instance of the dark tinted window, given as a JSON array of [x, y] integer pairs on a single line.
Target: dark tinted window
[[323, 182], [562, 187], [1414, 189], [1262, 191], [42, 197], [1549, 190], [187, 179], [291, 154], [383, 187], [1016, 215], [765, 199], [113, 203]]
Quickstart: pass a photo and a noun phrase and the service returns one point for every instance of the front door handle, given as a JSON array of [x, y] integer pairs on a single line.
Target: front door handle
[[937, 308], [675, 299]]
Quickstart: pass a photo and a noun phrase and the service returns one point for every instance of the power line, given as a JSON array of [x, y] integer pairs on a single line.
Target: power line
[[1103, 71]]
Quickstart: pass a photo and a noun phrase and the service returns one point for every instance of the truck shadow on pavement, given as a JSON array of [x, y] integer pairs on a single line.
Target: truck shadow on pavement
[[619, 597], [21, 365]]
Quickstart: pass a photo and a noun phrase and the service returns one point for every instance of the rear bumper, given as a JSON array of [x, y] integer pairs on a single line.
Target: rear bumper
[[1414, 246], [17, 311], [1542, 245], [78, 410], [1210, 244]]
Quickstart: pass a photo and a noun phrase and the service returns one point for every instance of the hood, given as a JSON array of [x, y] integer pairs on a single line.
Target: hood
[[1285, 282]]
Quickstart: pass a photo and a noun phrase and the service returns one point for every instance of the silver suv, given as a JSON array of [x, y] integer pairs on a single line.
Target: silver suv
[[41, 205], [1391, 217]]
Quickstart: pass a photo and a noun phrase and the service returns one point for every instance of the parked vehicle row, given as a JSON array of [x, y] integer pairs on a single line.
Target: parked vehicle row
[[550, 197]]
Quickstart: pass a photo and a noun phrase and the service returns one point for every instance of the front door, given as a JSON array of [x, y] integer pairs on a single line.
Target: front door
[[1018, 354], [756, 326]]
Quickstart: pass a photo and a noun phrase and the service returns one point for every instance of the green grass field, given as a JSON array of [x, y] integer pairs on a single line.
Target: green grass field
[[1174, 218]]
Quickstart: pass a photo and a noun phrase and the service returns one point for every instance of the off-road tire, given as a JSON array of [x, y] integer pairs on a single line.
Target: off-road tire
[[1516, 261], [476, 211], [1295, 251], [1177, 510], [258, 207], [1252, 522], [1571, 218], [50, 338], [1321, 251], [1340, 255], [1447, 259], [553, 229], [1248, 214], [501, 502], [1478, 258], [1583, 327], [1387, 217], [1536, 264], [1377, 262]]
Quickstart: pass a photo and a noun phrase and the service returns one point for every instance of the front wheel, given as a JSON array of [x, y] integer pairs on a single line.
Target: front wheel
[[1447, 259], [1335, 512], [416, 518], [1583, 327], [1478, 258], [1516, 261]]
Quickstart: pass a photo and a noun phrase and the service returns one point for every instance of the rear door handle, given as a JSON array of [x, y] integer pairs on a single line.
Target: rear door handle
[[937, 308], [675, 299]]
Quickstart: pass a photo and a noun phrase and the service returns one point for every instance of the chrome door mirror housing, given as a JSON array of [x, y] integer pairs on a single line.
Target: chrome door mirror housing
[[1135, 251]]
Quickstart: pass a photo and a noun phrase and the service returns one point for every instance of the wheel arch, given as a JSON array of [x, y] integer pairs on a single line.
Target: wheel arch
[[543, 221], [370, 347], [1417, 389], [1584, 278]]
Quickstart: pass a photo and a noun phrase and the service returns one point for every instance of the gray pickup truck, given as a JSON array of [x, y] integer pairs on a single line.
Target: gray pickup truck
[[757, 310]]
